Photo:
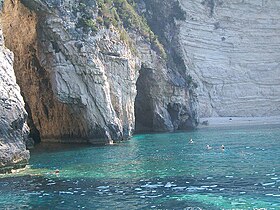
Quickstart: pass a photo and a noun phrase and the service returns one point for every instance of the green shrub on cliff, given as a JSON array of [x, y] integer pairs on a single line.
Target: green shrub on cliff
[[86, 20], [87, 23], [91, 24], [121, 13]]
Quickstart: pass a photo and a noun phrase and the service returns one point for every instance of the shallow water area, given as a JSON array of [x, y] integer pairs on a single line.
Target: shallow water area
[[161, 171]]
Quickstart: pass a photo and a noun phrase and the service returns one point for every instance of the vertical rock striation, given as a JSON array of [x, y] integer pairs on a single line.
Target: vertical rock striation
[[13, 128], [78, 85], [77, 64], [78, 77]]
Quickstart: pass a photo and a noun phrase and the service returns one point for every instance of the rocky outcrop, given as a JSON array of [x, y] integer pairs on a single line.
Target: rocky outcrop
[[77, 65], [227, 51], [90, 69], [13, 127], [78, 86], [166, 99], [231, 49]]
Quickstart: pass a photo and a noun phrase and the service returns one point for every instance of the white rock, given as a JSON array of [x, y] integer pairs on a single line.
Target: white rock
[[232, 51]]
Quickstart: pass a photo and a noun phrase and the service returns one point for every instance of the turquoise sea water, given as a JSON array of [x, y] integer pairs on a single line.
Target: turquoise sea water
[[154, 171]]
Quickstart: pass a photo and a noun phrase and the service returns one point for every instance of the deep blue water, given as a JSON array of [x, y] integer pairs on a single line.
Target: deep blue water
[[160, 171]]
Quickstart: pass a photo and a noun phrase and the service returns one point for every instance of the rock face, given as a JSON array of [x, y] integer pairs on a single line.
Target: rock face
[[78, 66], [13, 128], [90, 70], [165, 96], [232, 51], [77, 87]]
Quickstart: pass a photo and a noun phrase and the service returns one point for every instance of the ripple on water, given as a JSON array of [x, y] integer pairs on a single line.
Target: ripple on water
[[152, 185], [208, 183], [195, 189], [153, 196], [268, 184], [66, 192], [102, 187], [179, 188], [169, 184], [269, 194], [143, 192]]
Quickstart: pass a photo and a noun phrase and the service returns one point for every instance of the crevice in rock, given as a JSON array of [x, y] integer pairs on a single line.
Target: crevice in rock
[[34, 132]]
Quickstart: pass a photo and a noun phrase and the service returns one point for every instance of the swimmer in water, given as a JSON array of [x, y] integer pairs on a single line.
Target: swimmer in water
[[223, 147], [191, 141], [208, 147], [56, 171]]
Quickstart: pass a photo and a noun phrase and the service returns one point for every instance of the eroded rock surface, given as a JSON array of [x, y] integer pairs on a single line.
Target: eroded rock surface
[[232, 51], [166, 100], [78, 86], [13, 127], [78, 77], [78, 74]]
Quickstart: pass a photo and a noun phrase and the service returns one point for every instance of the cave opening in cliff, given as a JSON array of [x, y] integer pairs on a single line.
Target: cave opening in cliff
[[34, 132], [143, 106]]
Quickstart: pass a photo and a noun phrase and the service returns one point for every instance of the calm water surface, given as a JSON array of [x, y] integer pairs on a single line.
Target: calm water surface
[[160, 171]]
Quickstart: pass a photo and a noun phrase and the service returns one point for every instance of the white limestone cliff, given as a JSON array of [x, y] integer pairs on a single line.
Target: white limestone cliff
[[232, 51]]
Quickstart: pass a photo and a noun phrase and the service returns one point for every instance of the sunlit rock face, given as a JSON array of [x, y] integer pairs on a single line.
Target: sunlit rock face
[[79, 80], [79, 83], [232, 50], [78, 86], [13, 128]]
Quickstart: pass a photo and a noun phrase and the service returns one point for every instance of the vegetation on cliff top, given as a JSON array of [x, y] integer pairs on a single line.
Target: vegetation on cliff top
[[122, 15]]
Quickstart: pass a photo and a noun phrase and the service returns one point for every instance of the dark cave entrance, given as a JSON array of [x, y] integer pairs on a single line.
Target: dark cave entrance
[[143, 106], [34, 132]]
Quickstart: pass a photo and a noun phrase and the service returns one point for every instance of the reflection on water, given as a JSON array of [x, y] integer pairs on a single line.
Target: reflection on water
[[161, 171]]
